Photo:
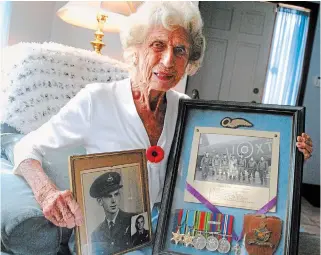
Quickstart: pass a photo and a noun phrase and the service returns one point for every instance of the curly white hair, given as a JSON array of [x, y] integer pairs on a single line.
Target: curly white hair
[[170, 15]]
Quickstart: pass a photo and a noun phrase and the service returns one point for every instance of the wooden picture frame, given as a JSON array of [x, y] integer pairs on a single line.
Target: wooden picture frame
[[174, 229], [112, 191]]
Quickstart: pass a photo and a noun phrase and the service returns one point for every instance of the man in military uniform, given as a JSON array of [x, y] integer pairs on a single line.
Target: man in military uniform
[[216, 164], [224, 166], [251, 169], [205, 165], [113, 234], [142, 235], [241, 164], [262, 167], [232, 172]]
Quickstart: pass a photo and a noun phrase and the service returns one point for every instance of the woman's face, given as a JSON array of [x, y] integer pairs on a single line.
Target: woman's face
[[163, 57]]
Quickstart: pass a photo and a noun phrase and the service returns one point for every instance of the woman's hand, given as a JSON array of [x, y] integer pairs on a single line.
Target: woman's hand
[[304, 144], [58, 206], [61, 208]]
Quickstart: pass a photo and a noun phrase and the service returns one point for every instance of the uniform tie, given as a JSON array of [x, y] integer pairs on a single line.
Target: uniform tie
[[111, 226]]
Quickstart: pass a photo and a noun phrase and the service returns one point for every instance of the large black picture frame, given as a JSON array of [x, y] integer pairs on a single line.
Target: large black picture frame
[[187, 110]]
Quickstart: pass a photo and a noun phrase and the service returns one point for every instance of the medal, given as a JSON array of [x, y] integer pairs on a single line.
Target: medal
[[177, 236], [224, 245], [199, 240], [188, 238], [212, 241]]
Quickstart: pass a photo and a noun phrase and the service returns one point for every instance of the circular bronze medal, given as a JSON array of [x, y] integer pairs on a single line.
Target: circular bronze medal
[[199, 242], [211, 243], [224, 246]]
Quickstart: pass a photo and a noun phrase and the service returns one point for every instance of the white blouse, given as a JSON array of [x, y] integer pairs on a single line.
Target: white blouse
[[102, 117]]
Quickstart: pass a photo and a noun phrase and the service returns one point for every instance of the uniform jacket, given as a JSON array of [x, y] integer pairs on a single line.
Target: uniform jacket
[[206, 161], [242, 162], [104, 241], [216, 162], [138, 239], [252, 165], [262, 165]]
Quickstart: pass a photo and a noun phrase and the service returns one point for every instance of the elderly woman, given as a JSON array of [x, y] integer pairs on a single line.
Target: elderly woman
[[161, 42]]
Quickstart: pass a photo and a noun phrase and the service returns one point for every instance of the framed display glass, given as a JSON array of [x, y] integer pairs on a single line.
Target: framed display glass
[[233, 180], [112, 191]]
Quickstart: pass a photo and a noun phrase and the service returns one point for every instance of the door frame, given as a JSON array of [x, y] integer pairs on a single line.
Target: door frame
[[314, 11]]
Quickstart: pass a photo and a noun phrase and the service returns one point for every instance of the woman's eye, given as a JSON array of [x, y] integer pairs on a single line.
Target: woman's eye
[[157, 45], [180, 51]]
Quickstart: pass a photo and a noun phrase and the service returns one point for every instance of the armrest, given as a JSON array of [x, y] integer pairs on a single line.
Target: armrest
[[24, 230]]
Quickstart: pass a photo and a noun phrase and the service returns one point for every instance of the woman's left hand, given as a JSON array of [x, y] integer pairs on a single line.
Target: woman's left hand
[[304, 144]]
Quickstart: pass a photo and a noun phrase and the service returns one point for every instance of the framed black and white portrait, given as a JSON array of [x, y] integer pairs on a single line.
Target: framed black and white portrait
[[112, 190], [140, 229]]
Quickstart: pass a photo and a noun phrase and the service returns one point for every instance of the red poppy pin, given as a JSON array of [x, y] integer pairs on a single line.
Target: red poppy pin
[[155, 154]]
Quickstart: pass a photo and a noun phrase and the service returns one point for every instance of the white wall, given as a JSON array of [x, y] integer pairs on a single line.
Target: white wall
[[30, 22], [311, 172]]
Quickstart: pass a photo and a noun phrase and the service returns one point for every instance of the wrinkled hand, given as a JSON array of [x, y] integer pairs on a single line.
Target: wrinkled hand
[[304, 144], [62, 209]]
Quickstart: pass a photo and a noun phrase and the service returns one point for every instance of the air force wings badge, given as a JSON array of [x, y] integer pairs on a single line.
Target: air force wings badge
[[228, 122]]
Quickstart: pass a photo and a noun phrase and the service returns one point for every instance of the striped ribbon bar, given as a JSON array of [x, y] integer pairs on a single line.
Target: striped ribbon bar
[[177, 220], [183, 224], [191, 221]]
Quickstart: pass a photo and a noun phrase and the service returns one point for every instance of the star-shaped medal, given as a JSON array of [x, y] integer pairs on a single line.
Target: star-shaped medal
[[177, 237], [188, 239]]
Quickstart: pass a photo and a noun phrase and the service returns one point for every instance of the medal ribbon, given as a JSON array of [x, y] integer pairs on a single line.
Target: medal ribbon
[[183, 221], [179, 219], [225, 225], [202, 219], [191, 221], [267, 207], [196, 221]]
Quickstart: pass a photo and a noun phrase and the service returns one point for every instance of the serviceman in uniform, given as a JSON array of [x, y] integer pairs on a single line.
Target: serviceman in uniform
[[113, 234], [216, 164], [251, 169], [142, 235], [262, 167], [224, 166], [205, 165], [241, 164], [232, 167]]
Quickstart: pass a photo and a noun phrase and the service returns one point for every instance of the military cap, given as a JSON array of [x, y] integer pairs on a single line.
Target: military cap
[[105, 184]]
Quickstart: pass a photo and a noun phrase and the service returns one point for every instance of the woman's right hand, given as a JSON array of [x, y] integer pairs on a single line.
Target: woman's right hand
[[58, 206], [61, 208]]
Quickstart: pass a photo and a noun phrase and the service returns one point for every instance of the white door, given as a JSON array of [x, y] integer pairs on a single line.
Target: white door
[[239, 36]]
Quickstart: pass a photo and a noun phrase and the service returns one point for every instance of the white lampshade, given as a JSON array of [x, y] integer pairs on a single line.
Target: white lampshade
[[84, 14]]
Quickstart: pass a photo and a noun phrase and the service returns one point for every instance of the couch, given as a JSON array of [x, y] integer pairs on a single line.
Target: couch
[[38, 79]]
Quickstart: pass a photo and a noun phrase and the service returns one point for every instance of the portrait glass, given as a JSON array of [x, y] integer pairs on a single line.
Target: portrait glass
[[233, 180], [239, 166], [111, 189]]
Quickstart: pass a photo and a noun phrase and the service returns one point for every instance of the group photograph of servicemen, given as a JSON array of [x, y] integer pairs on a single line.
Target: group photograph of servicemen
[[233, 169]]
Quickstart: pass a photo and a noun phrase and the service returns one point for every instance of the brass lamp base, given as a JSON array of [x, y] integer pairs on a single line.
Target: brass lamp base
[[98, 43]]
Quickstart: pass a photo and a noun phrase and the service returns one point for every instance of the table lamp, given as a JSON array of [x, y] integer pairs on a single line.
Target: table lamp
[[97, 15]]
